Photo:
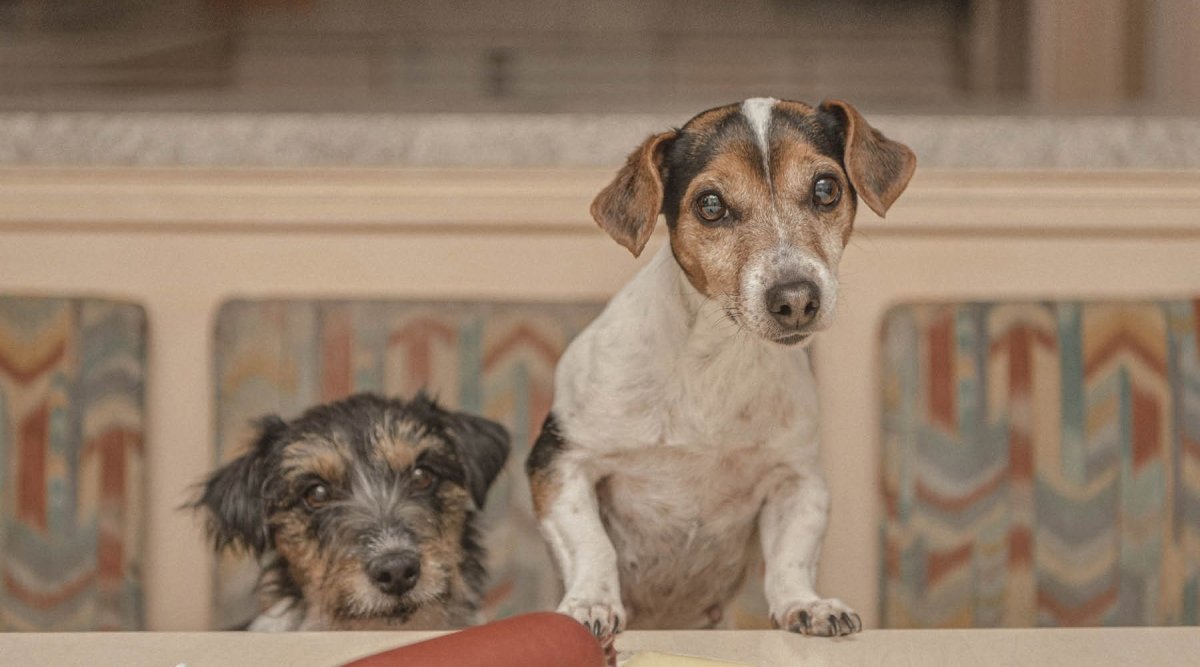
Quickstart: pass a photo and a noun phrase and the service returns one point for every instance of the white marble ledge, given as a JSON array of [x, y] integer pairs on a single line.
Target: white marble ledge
[[551, 140]]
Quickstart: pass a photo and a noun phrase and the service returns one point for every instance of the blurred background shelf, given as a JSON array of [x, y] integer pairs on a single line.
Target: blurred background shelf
[[616, 55]]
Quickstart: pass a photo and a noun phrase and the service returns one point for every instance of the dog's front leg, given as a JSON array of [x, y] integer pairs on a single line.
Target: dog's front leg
[[792, 524], [565, 501]]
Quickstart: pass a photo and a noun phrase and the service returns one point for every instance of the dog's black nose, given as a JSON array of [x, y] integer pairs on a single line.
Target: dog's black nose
[[795, 304], [395, 573]]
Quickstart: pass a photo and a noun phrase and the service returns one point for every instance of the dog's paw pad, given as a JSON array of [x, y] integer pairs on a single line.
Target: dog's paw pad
[[820, 618], [603, 619]]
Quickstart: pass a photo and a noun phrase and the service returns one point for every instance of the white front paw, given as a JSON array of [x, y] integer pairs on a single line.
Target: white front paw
[[603, 618], [822, 618]]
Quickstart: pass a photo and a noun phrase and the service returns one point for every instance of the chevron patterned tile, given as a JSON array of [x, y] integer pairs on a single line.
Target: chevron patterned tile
[[71, 423], [1073, 499]]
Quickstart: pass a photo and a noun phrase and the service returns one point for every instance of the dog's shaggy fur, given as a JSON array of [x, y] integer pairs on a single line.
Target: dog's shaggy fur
[[363, 512]]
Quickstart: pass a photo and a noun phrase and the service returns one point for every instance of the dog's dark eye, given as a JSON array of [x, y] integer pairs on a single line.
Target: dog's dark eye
[[422, 479], [826, 191], [710, 207], [316, 496]]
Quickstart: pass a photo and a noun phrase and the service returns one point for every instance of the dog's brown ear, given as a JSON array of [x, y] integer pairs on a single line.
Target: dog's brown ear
[[628, 208], [878, 167], [232, 496]]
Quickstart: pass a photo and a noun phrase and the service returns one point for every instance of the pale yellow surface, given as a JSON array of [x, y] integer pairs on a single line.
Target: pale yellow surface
[[656, 659], [1098, 647]]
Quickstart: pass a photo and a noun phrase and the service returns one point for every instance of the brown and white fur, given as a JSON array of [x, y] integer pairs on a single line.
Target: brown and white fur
[[684, 420], [364, 513]]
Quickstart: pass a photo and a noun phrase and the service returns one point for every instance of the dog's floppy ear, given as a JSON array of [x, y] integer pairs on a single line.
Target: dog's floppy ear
[[628, 207], [878, 167], [482, 446], [232, 496]]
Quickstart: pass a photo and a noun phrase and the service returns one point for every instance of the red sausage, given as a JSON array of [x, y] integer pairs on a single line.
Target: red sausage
[[543, 639]]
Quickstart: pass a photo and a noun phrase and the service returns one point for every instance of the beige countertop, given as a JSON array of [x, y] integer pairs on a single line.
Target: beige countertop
[[1161, 647]]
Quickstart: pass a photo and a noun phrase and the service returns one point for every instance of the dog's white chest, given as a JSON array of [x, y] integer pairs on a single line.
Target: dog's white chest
[[682, 523]]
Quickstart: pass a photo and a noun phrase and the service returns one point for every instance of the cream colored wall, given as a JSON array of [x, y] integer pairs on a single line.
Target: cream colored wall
[[181, 241]]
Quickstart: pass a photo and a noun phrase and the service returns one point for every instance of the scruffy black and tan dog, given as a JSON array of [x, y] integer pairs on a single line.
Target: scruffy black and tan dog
[[364, 512]]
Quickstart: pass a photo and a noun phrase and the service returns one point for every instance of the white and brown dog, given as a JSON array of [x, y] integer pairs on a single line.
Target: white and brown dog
[[685, 417]]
